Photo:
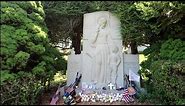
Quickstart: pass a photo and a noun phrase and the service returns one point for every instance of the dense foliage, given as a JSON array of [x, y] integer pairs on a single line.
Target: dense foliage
[[165, 69], [142, 22], [28, 60], [65, 19]]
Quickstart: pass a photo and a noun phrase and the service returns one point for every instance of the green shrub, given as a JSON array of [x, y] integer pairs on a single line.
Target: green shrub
[[19, 89], [166, 73], [173, 50], [27, 59]]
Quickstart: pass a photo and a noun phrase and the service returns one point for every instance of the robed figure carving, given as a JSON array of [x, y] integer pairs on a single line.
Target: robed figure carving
[[101, 53], [101, 33]]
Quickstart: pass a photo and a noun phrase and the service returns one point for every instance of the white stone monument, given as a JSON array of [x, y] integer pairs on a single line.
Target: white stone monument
[[73, 66], [131, 62], [102, 59], [101, 62]]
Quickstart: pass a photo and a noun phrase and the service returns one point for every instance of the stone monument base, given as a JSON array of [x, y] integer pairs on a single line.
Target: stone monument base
[[98, 91]]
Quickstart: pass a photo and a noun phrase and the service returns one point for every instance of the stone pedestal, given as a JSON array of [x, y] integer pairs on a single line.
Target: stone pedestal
[[131, 62], [73, 66]]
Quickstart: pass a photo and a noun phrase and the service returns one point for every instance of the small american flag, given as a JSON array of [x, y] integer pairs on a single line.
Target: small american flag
[[69, 89], [126, 97], [55, 98]]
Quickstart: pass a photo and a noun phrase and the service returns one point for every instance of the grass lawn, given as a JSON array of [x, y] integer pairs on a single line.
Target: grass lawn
[[142, 58], [58, 79]]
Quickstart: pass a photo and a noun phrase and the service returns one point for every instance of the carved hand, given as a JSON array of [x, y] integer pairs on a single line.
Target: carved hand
[[98, 30], [93, 45]]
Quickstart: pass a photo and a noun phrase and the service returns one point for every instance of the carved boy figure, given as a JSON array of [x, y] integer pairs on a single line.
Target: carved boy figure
[[114, 61]]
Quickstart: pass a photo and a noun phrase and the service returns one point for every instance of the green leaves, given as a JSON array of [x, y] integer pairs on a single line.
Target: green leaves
[[38, 49], [153, 19], [21, 89], [24, 41], [173, 50], [36, 17], [8, 41], [166, 64], [21, 58], [147, 10], [40, 69], [5, 75], [12, 16]]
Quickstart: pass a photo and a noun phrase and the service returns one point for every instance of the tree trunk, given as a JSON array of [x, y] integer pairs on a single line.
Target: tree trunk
[[133, 46], [78, 43], [77, 38]]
